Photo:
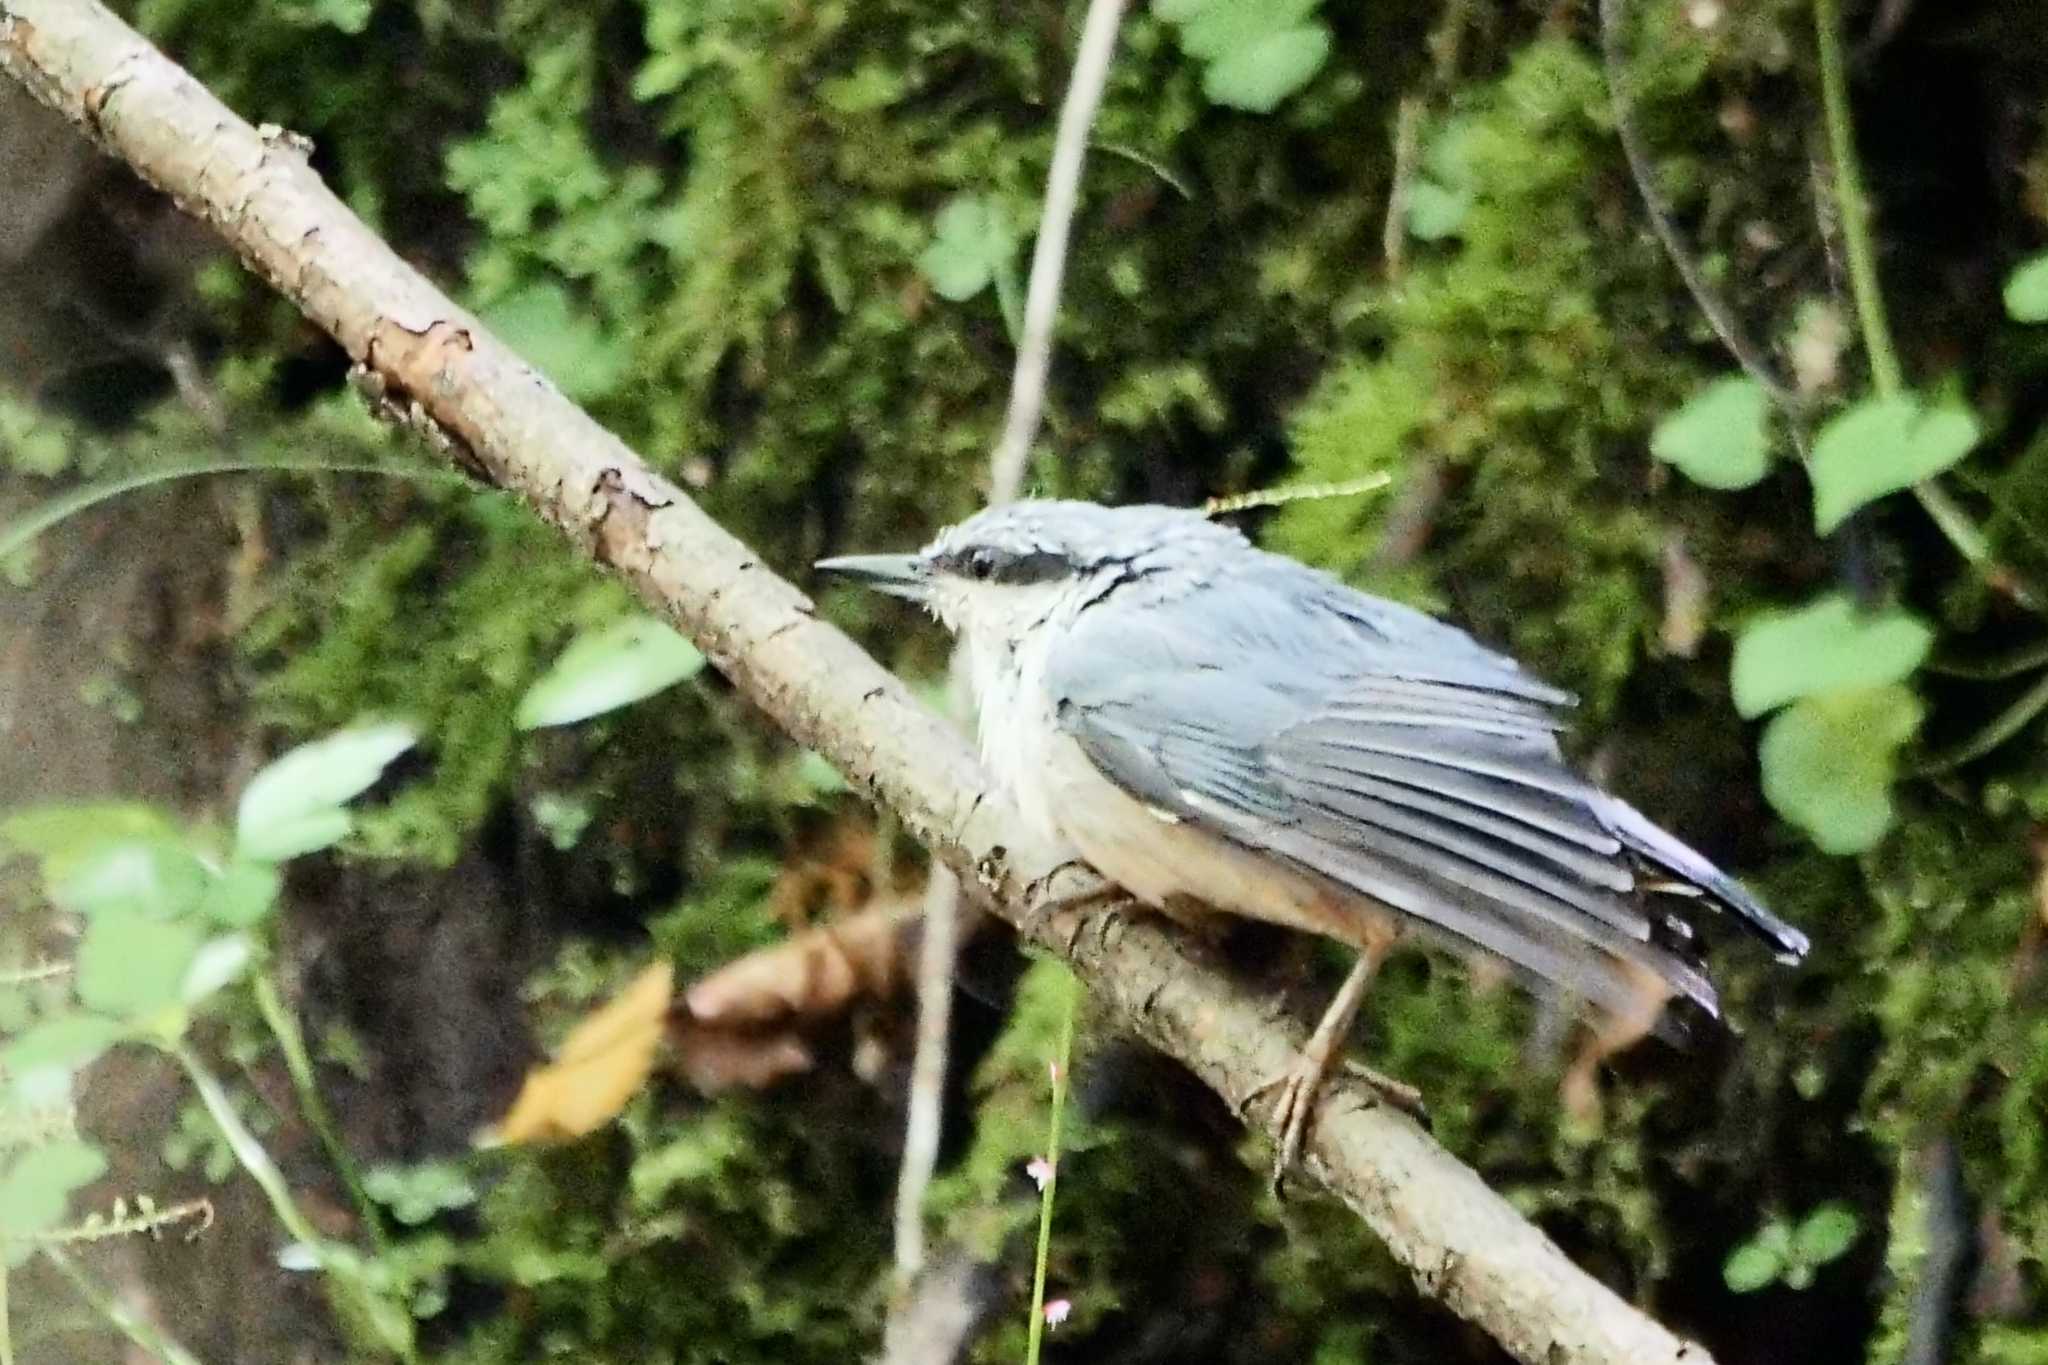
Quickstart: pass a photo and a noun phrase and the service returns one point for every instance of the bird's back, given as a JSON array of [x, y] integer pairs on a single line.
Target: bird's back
[[1382, 756]]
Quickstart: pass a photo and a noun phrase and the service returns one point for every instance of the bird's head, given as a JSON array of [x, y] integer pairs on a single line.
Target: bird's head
[[1013, 568]]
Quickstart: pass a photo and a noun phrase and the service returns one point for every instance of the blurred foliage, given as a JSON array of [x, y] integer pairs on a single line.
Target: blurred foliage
[[758, 241]]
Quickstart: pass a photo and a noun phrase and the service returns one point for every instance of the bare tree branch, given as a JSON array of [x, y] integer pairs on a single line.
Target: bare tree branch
[[1461, 1242]]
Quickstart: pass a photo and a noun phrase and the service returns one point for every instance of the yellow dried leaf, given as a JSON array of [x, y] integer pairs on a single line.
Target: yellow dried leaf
[[602, 1063]]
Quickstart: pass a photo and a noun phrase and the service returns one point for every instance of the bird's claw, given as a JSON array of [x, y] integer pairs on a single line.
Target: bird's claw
[[1298, 1086]]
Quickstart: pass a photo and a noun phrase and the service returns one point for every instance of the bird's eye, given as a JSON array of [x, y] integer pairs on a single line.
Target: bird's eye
[[981, 564]]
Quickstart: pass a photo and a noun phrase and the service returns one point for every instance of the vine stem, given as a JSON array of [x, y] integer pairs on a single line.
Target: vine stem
[[1853, 202], [1060, 1081], [130, 1324], [1887, 376], [285, 1028]]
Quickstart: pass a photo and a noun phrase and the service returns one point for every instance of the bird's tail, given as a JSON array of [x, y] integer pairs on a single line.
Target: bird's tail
[[1634, 829]]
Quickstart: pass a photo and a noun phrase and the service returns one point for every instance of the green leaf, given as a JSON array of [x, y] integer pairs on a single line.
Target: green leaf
[[971, 242], [132, 966], [71, 1041], [242, 893], [2026, 293], [1880, 446], [1751, 1268], [561, 340], [606, 669], [1718, 439], [1267, 70], [1826, 1233], [1829, 762], [293, 806], [415, 1194], [1826, 646], [1216, 29], [150, 876], [218, 962], [37, 1188], [63, 837]]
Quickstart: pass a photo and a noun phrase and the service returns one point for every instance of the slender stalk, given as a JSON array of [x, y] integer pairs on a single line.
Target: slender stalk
[[6, 1323], [1887, 376], [1060, 1079], [248, 1149], [1997, 731], [285, 1028], [1012, 457], [130, 1324], [1854, 202], [14, 535]]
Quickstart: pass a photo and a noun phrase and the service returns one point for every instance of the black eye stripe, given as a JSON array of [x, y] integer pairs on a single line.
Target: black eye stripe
[[991, 564]]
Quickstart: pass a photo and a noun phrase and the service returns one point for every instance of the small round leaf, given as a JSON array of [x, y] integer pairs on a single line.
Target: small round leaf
[[1880, 446], [71, 1041], [1719, 438], [2026, 293], [1751, 1268], [242, 893], [1829, 762], [1267, 70], [1826, 646], [1826, 1233]]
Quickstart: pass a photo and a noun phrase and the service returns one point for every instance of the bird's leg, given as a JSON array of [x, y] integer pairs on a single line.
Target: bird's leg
[[1610, 1033], [1300, 1082]]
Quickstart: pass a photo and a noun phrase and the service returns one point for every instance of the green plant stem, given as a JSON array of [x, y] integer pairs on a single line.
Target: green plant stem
[[1052, 1181], [299, 1063], [248, 1149], [2025, 659], [1853, 202], [130, 1324], [2001, 728], [16, 534], [6, 1322], [256, 1160], [1887, 376]]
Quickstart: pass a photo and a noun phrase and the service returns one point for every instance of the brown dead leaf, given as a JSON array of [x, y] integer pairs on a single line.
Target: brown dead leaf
[[744, 1024], [815, 973], [602, 1063]]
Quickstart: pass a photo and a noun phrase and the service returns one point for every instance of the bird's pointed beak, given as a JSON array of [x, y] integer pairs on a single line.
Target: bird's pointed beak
[[897, 575]]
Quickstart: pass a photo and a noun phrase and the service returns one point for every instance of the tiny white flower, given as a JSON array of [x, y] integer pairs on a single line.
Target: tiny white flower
[[1056, 1311], [1040, 1171]]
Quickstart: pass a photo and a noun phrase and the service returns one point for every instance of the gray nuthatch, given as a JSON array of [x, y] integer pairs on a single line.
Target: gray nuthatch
[[1219, 729]]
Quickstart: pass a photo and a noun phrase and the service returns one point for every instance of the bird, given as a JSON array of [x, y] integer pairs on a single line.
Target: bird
[[1219, 730]]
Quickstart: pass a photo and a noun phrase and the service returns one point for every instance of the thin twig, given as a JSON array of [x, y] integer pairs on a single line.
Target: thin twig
[[1407, 145], [937, 953], [1008, 466], [1644, 172], [1012, 457]]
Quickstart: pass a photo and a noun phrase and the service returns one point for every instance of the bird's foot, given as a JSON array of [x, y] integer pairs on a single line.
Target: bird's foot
[[1298, 1088], [1047, 902]]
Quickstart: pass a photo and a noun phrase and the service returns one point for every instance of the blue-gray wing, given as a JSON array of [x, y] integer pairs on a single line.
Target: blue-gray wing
[[1394, 757]]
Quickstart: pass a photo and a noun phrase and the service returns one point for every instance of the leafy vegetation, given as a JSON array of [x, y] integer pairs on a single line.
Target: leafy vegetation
[[778, 250]]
